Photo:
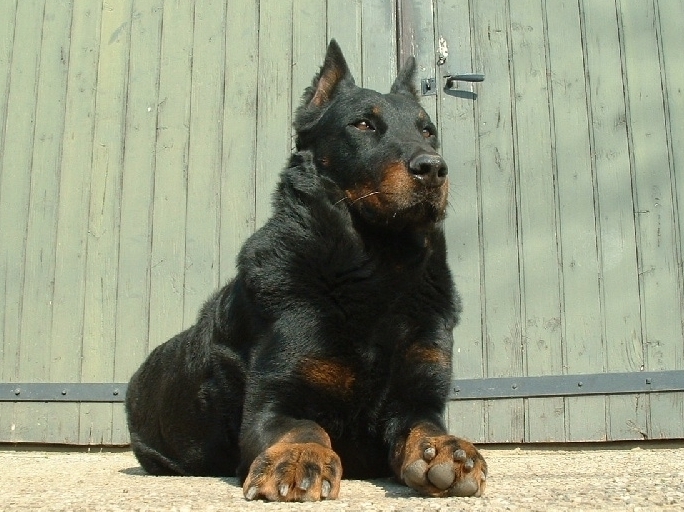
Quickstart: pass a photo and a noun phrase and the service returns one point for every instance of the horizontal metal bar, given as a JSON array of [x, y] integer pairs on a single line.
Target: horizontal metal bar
[[567, 385], [462, 389], [63, 392]]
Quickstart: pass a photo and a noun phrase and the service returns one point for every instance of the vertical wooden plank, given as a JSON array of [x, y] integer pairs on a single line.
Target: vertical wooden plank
[[133, 291], [499, 249], [239, 131], [309, 41], [671, 40], [541, 318], [7, 28], [457, 116], [274, 114], [15, 185], [627, 414], [72, 213], [41, 232], [7, 25], [204, 166], [416, 37], [379, 44], [660, 278], [170, 177], [582, 325], [672, 69], [344, 25], [101, 277]]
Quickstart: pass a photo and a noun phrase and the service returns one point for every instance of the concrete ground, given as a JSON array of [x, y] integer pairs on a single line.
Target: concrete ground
[[624, 477]]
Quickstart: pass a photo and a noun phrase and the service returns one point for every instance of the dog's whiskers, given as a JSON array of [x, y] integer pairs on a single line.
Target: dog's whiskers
[[358, 198]]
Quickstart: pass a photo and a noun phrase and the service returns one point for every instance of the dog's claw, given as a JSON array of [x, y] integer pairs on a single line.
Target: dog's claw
[[251, 493], [305, 484], [283, 489], [325, 489], [460, 455], [429, 453]]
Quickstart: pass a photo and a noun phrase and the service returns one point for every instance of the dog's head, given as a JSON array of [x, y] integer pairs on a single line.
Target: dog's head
[[380, 149]]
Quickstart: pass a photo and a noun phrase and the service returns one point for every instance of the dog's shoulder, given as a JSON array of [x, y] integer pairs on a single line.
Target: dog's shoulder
[[309, 232]]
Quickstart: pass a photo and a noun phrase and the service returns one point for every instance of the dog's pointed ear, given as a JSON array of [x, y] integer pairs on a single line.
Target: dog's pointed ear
[[404, 82], [333, 72]]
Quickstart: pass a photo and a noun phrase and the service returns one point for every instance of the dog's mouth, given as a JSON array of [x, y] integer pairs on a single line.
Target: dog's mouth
[[400, 199]]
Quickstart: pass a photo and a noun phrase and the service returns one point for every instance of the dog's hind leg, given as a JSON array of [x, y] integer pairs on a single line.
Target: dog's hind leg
[[154, 462]]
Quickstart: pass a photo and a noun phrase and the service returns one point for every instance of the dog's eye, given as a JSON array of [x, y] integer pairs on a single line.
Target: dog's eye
[[364, 125]]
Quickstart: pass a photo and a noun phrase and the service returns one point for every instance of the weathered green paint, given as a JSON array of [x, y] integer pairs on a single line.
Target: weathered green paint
[[660, 276], [379, 44], [572, 208], [274, 99], [137, 195], [238, 201], [499, 217], [539, 251], [72, 218], [141, 141], [15, 191], [626, 415], [169, 206], [671, 38], [458, 131], [581, 320], [345, 25]]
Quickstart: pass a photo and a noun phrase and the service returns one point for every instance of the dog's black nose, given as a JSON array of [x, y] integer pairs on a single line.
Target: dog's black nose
[[430, 168]]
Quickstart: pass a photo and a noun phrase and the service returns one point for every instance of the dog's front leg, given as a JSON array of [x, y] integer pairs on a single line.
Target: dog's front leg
[[296, 462]]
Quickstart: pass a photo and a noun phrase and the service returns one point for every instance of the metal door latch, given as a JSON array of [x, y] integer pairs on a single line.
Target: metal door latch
[[428, 86], [463, 77]]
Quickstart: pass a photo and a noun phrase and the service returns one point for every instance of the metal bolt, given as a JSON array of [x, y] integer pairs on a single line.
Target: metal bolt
[[17, 391], [648, 381], [514, 386], [116, 392], [457, 389], [64, 392], [580, 384]]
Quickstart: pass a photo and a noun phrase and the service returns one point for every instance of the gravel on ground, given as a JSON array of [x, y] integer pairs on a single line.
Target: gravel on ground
[[645, 477]]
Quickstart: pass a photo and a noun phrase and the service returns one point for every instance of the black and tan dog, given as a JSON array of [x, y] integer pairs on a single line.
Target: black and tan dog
[[330, 351]]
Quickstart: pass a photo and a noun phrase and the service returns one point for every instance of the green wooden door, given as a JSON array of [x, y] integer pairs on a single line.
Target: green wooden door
[[140, 141], [565, 233]]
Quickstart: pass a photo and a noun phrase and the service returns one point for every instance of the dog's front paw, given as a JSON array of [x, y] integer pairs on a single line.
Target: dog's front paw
[[294, 472], [443, 465]]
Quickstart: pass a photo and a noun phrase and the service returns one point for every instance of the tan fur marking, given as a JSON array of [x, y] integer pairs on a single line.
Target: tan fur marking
[[306, 434], [329, 375], [326, 85], [426, 354], [396, 190]]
